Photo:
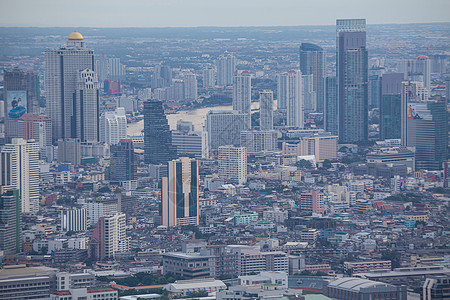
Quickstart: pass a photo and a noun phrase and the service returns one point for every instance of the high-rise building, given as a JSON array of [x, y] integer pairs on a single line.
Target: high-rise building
[[242, 92], [86, 107], [309, 95], [233, 163], [123, 165], [69, 151], [109, 68], [224, 127], [116, 69], [162, 77], [10, 221], [374, 89], [19, 165], [259, 140], [427, 131], [113, 126], [352, 80], [74, 219], [266, 110], [391, 106], [26, 82], [312, 201], [188, 142], [209, 74], [109, 237], [312, 62], [62, 68], [190, 87], [180, 193], [290, 97], [158, 148], [418, 69], [226, 65], [331, 106]]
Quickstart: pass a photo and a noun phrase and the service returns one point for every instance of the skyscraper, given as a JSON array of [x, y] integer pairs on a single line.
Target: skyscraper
[[62, 68], [26, 81], [242, 92], [418, 69], [86, 107], [10, 220], [190, 87], [391, 106], [233, 163], [331, 106], [290, 96], [226, 65], [427, 131], [352, 80], [113, 126], [309, 95], [162, 77], [224, 127], [123, 165], [180, 193], [312, 62], [209, 77], [266, 110], [158, 148], [20, 171]]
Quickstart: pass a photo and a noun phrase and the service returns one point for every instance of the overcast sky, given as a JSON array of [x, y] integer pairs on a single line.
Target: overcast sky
[[172, 13]]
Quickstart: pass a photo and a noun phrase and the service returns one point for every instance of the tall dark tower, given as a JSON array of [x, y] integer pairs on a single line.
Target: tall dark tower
[[312, 62], [158, 148], [123, 162], [352, 80]]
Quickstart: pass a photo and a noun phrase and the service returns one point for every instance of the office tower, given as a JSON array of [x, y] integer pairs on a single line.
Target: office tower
[[123, 165], [10, 220], [162, 77], [19, 167], [312, 62], [113, 126], [189, 142], [427, 131], [180, 193], [190, 87], [233, 164], [290, 97], [109, 237], [74, 219], [374, 91], [352, 81], [209, 77], [242, 92], [309, 95], [69, 151], [158, 147], [312, 201], [61, 72], [226, 65], [266, 110], [331, 106], [86, 107], [391, 106], [447, 89], [418, 69], [259, 140], [224, 127]]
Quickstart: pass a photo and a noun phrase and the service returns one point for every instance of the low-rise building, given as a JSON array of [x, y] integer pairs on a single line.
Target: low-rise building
[[365, 266]]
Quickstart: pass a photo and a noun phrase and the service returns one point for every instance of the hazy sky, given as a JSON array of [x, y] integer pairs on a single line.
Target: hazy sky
[[162, 13]]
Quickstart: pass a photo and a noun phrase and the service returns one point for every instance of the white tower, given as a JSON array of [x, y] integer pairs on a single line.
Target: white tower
[[113, 126], [87, 106], [242, 92], [266, 110], [290, 94]]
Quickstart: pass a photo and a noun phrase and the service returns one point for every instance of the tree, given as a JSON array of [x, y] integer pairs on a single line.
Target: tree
[[104, 189], [327, 164], [393, 256], [304, 164]]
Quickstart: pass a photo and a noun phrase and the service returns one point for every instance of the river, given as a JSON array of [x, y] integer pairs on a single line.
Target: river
[[196, 116]]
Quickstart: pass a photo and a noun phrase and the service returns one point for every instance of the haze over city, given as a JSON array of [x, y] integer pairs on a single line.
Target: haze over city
[[224, 149]]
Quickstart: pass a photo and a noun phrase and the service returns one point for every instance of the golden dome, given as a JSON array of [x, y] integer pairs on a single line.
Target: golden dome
[[75, 36]]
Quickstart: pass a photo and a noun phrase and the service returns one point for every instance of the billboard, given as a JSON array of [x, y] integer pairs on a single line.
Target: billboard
[[16, 104], [413, 114]]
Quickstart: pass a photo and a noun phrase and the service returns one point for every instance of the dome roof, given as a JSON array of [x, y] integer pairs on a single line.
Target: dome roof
[[75, 36]]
